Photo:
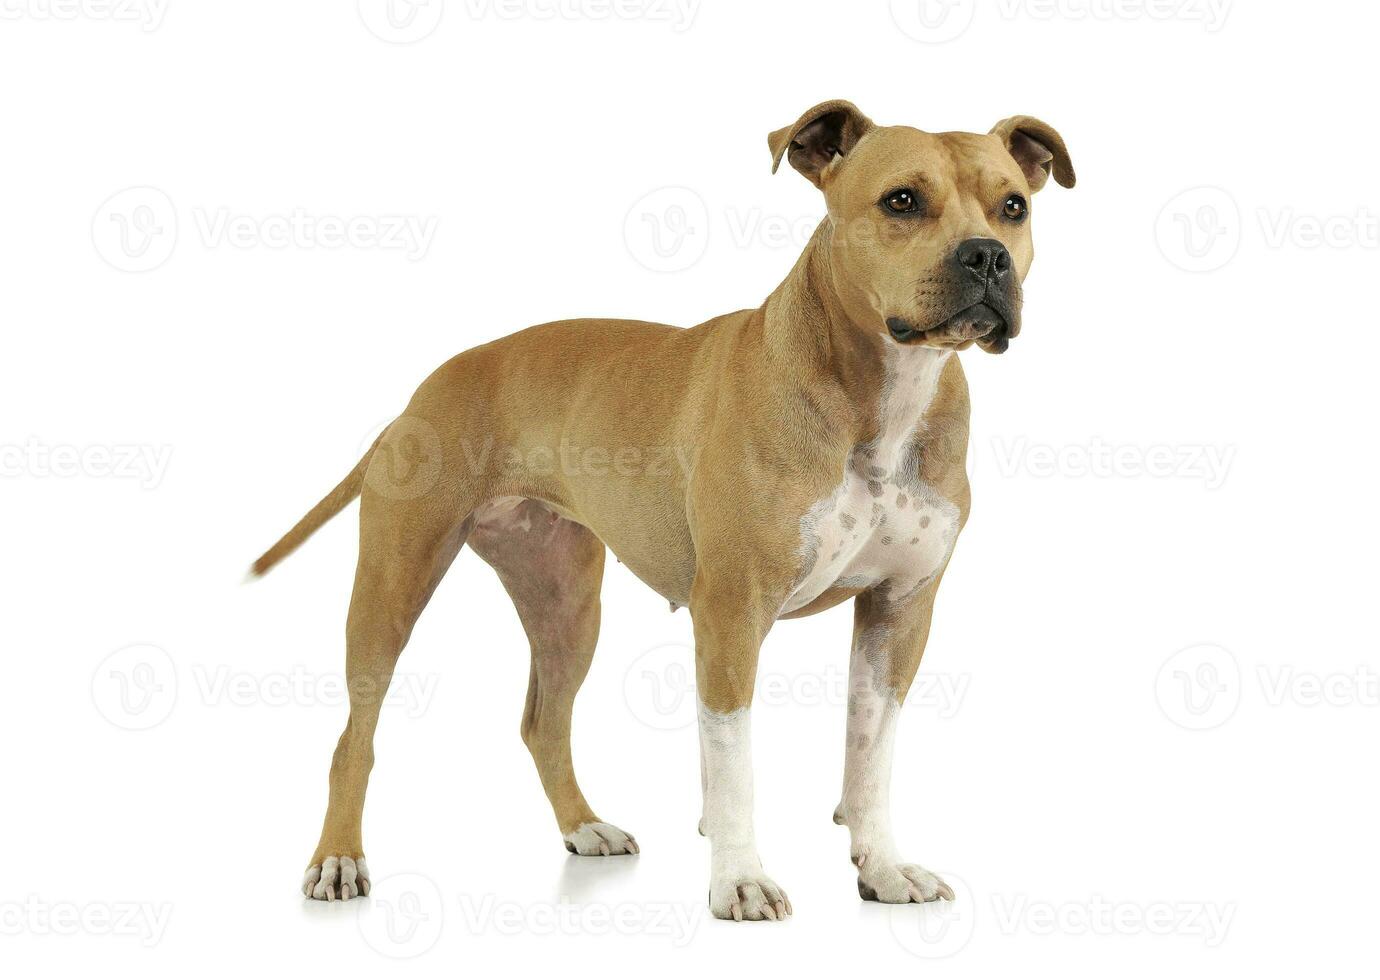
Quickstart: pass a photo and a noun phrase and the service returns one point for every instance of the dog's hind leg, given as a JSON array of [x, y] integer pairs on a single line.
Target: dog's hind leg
[[552, 568], [406, 545]]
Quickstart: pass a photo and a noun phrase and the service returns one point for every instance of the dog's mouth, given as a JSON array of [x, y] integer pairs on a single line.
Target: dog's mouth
[[980, 324]]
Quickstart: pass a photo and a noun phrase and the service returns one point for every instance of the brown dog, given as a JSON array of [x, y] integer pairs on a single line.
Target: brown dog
[[769, 463]]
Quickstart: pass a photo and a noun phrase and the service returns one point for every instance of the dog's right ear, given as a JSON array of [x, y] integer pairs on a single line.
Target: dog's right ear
[[828, 130]]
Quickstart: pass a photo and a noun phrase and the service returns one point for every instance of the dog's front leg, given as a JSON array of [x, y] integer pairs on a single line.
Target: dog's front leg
[[888, 640], [727, 637]]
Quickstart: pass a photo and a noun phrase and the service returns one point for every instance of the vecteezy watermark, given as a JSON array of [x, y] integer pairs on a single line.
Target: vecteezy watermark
[[140, 462], [1199, 687], [409, 461], [135, 687], [1287, 685], [137, 230], [936, 930], [667, 230], [673, 921], [406, 914], [410, 234], [942, 929], [679, 15], [1201, 229], [148, 14], [1098, 916], [570, 458], [1202, 686], [406, 21], [1104, 460], [400, 21], [299, 687], [35, 916], [1287, 228], [937, 21], [403, 917], [659, 688], [933, 21]]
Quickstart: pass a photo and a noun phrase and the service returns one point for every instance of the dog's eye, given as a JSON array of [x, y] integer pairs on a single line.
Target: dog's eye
[[1014, 207], [903, 201]]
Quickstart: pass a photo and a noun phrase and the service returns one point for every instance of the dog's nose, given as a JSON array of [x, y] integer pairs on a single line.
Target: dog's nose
[[985, 258]]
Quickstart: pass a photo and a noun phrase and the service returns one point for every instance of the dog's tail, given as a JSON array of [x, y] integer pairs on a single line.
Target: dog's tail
[[333, 503]]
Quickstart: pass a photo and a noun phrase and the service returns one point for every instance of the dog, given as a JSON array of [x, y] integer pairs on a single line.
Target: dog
[[766, 464]]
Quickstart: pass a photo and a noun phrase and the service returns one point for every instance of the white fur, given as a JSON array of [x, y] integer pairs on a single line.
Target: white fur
[[882, 522], [604, 839], [872, 710], [336, 878], [738, 888], [866, 803]]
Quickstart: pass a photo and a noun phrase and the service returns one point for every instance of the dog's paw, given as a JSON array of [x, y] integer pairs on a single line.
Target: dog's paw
[[750, 898], [896, 884], [336, 878], [600, 840]]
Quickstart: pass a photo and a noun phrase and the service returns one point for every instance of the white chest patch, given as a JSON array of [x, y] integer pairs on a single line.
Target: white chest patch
[[882, 523]]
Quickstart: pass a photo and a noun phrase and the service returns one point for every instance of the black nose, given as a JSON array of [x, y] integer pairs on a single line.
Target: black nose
[[985, 258]]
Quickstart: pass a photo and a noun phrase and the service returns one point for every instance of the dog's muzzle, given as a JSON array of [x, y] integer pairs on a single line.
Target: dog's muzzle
[[987, 296]]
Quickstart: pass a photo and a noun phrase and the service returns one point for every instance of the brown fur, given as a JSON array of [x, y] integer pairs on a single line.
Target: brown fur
[[691, 453]]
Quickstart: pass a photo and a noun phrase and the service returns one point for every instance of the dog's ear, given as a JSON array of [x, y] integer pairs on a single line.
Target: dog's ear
[[1038, 148], [830, 129]]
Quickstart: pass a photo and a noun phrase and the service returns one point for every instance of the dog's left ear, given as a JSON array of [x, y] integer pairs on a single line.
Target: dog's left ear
[[830, 129], [1038, 148]]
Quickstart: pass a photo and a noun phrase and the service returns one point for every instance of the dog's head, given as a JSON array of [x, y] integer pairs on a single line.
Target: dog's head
[[928, 233]]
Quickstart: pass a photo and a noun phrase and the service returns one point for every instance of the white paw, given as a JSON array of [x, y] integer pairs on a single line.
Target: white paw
[[600, 840], [751, 897], [882, 880], [336, 878]]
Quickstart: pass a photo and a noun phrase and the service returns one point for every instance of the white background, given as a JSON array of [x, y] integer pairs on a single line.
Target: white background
[[1176, 455]]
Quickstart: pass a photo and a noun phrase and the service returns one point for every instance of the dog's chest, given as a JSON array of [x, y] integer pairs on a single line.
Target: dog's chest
[[882, 523]]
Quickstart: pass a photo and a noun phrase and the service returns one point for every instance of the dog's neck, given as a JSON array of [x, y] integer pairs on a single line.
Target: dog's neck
[[809, 337]]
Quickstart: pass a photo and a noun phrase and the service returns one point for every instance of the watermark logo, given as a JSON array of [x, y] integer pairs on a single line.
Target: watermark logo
[[148, 14], [407, 21], [1286, 228], [932, 21], [1199, 687], [400, 21], [144, 921], [1199, 230], [299, 687], [403, 917], [938, 21], [941, 929], [135, 687], [1104, 460], [667, 230], [659, 689], [407, 464], [1205, 921], [671, 921], [141, 463], [138, 686], [135, 230], [1287, 685], [936, 930], [679, 14]]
